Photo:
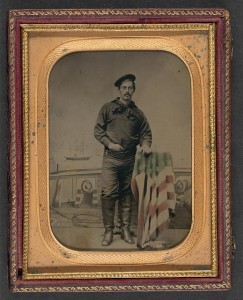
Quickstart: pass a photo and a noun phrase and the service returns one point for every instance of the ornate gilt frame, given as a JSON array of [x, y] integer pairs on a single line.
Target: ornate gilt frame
[[196, 264]]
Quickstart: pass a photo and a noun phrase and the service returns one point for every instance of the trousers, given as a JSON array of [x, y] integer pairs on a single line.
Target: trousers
[[116, 185]]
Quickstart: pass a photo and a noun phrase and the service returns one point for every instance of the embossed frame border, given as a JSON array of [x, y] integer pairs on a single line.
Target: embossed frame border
[[220, 146]]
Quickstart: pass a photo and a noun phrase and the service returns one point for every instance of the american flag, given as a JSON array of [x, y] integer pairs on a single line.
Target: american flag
[[153, 188]]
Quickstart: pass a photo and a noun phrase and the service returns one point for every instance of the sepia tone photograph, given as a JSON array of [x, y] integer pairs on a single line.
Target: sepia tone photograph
[[120, 153], [124, 150]]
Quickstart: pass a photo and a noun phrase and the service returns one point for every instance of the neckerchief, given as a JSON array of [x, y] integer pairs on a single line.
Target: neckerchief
[[131, 115]]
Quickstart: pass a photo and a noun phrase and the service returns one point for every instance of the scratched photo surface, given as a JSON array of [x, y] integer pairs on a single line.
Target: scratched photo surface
[[79, 85]]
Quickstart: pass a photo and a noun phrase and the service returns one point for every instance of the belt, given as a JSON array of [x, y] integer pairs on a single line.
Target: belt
[[120, 154]]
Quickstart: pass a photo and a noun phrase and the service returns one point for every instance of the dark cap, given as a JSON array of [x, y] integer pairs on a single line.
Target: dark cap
[[119, 81]]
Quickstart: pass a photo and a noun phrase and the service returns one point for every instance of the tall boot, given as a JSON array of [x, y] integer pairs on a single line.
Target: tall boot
[[108, 211], [118, 224], [126, 214]]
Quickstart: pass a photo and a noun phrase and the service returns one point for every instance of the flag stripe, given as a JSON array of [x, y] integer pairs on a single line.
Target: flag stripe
[[153, 188]]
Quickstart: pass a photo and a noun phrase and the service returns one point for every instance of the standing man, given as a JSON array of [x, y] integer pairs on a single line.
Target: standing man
[[120, 127]]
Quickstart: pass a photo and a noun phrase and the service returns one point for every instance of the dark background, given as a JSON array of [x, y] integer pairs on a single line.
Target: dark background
[[236, 9]]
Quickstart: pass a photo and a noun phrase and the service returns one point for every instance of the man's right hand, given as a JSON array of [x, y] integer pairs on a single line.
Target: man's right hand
[[115, 147]]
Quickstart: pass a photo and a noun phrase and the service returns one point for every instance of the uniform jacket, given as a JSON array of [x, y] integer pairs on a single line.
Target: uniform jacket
[[124, 125]]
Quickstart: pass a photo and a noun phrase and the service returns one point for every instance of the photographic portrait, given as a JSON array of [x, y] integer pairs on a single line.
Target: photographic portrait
[[121, 171], [79, 85]]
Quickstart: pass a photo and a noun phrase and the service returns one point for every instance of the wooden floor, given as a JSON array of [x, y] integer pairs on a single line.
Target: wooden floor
[[81, 228]]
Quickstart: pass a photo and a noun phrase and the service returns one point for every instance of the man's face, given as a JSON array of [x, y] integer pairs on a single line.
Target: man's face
[[126, 91]]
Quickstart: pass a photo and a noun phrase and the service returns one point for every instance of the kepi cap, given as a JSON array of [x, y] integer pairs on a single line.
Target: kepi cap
[[119, 81]]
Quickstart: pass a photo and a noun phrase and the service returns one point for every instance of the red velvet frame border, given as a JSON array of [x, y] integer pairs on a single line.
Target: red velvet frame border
[[221, 57]]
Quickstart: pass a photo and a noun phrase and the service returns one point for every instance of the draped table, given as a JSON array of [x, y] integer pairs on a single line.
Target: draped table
[[153, 187]]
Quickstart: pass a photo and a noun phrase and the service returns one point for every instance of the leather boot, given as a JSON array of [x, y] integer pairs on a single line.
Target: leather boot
[[126, 214], [108, 211], [108, 238], [126, 235], [119, 218]]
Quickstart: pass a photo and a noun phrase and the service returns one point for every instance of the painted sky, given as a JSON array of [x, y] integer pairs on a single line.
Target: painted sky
[[80, 83]]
